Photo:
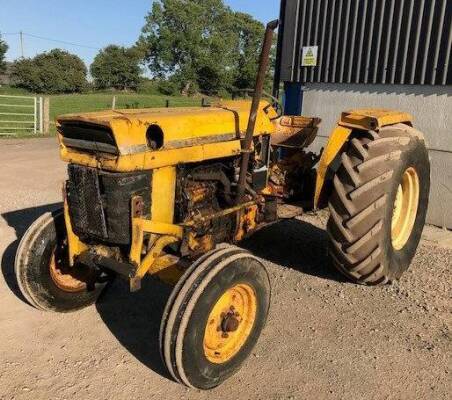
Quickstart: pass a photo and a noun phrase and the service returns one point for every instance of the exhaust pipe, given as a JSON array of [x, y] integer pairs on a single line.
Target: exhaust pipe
[[258, 90]]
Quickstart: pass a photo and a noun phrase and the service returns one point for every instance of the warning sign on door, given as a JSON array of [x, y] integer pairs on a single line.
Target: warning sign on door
[[309, 56]]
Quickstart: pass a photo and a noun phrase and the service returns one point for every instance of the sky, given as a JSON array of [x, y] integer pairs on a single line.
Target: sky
[[92, 23]]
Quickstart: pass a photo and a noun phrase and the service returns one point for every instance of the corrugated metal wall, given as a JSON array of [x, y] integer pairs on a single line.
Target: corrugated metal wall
[[368, 41]]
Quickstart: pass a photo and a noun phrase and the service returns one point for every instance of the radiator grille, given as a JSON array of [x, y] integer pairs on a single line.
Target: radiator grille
[[85, 203], [100, 202]]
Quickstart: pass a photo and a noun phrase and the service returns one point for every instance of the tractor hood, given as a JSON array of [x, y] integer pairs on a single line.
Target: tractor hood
[[132, 131]]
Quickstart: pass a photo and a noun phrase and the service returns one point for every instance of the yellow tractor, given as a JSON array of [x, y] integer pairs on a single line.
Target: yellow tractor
[[169, 192]]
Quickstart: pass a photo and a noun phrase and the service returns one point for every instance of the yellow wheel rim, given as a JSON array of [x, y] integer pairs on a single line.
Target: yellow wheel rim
[[230, 323], [405, 208]]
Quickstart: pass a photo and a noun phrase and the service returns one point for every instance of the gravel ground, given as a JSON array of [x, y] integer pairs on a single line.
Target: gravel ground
[[325, 338]]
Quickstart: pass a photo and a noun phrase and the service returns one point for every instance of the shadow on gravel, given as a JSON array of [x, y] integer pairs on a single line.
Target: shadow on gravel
[[134, 319], [295, 244], [20, 220]]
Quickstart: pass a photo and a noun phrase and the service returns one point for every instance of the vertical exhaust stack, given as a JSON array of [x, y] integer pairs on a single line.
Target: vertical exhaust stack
[[258, 90]]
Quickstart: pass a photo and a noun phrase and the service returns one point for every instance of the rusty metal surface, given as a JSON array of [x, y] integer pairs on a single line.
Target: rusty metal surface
[[295, 131], [246, 222], [289, 176]]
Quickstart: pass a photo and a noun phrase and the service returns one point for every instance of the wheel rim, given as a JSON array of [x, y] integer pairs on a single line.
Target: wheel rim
[[405, 208], [66, 278], [230, 323]]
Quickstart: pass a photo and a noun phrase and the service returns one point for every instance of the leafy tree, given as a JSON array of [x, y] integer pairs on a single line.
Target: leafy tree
[[116, 67], [3, 50], [248, 44], [56, 71], [196, 43]]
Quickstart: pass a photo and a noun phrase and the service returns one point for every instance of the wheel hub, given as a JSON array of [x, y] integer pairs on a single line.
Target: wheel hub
[[405, 208], [229, 323]]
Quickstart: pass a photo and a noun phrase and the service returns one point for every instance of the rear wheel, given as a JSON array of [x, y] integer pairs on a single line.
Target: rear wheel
[[43, 273], [379, 204], [214, 317]]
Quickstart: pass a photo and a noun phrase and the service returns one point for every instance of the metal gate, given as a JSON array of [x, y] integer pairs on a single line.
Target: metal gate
[[21, 115]]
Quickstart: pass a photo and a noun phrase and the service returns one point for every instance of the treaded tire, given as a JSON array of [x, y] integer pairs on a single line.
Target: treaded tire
[[362, 202], [33, 273], [186, 315]]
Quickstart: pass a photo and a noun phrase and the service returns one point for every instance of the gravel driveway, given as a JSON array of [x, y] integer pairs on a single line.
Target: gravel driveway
[[325, 338]]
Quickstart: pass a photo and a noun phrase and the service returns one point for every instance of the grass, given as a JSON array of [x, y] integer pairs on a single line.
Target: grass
[[74, 103]]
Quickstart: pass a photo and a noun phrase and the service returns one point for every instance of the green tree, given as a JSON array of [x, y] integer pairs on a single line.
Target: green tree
[[192, 43], [248, 45], [56, 71], [3, 50], [116, 67]]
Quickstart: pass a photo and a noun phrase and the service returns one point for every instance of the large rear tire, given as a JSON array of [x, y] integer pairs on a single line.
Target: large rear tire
[[43, 273], [379, 204]]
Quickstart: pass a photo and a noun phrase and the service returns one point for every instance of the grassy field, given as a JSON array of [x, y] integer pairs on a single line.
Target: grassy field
[[71, 103]]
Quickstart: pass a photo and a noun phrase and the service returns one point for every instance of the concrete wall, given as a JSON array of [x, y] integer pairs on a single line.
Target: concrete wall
[[431, 107]]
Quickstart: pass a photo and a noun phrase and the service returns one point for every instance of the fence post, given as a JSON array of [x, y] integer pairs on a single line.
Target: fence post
[[46, 116], [167, 103], [113, 103], [35, 118], [41, 110]]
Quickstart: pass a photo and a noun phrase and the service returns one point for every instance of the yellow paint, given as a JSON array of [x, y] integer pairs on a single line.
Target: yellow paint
[[137, 241], [361, 119], [163, 192], [151, 160], [163, 262], [167, 269], [75, 245], [178, 124], [338, 138], [160, 226], [238, 302], [373, 119], [159, 230], [405, 208], [154, 253], [190, 135]]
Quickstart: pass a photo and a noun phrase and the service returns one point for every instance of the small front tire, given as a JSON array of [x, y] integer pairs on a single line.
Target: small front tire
[[43, 273], [214, 317]]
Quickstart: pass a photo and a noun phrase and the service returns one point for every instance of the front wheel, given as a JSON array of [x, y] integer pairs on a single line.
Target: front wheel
[[214, 317], [43, 273], [379, 204]]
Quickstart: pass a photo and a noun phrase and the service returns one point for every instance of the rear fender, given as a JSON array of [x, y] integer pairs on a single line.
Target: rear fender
[[358, 121]]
